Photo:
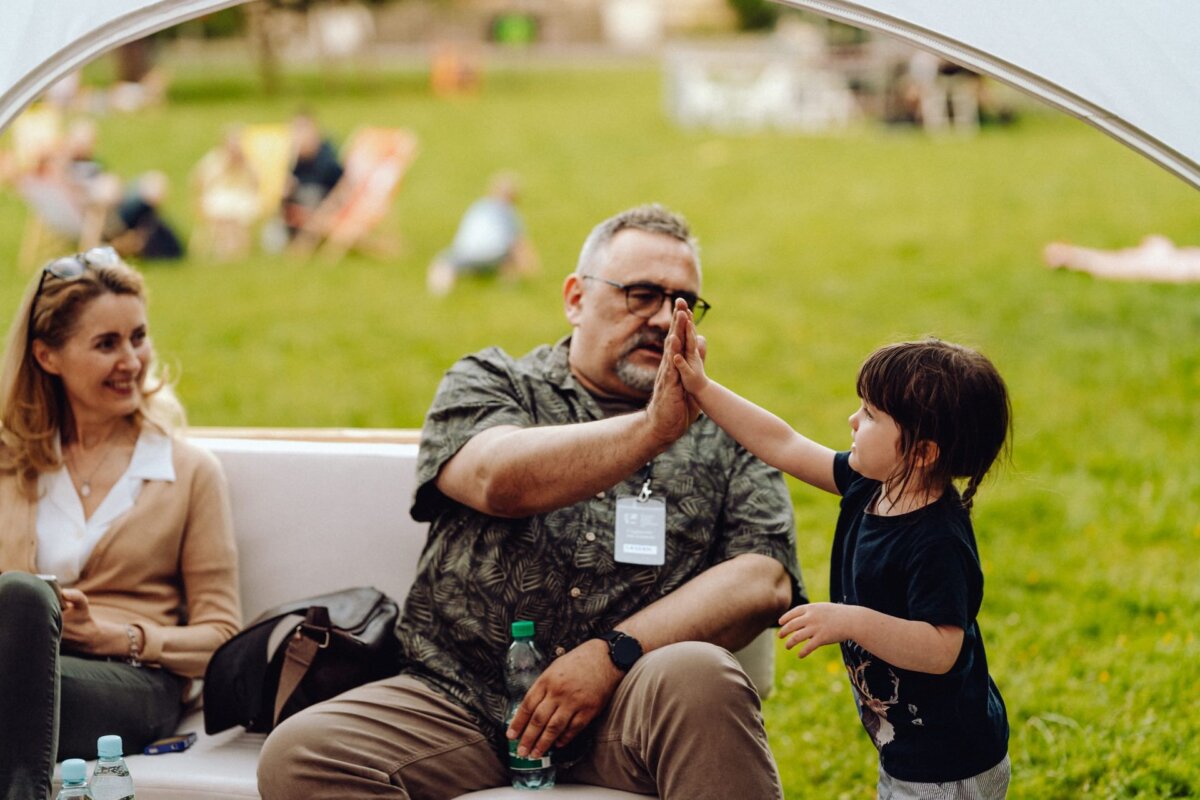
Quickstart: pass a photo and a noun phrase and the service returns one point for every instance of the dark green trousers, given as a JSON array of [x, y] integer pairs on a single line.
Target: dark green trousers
[[54, 706]]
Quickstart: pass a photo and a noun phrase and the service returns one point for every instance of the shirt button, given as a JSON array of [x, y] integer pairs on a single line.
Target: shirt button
[[576, 591], [591, 537], [560, 651]]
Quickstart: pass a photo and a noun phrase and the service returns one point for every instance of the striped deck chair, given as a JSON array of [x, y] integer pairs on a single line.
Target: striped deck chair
[[376, 161]]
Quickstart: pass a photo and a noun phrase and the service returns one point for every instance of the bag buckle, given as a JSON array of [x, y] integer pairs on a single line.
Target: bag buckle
[[301, 630]]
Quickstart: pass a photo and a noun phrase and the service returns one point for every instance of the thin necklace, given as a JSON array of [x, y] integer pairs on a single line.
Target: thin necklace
[[85, 484]]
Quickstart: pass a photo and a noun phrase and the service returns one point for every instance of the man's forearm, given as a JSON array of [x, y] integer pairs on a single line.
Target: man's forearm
[[514, 472], [728, 604]]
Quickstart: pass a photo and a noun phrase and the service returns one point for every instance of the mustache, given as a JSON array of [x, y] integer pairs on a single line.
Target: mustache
[[642, 338]]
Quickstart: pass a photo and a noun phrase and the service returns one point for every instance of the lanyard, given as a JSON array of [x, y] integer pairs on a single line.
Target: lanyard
[[645, 476]]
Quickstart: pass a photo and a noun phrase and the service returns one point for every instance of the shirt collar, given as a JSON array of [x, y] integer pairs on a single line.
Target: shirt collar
[[557, 366], [152, 459]]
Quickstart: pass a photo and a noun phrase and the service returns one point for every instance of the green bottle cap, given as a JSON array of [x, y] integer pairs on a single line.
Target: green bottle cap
[[522, 629]]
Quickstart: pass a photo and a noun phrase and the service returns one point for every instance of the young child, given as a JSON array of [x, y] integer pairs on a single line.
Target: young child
[[905, 578]]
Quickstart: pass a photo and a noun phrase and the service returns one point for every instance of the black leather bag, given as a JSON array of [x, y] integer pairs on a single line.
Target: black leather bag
[[298, 654]]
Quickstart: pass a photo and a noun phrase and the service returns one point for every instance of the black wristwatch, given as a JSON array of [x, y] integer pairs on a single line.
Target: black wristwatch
[[623, 649]]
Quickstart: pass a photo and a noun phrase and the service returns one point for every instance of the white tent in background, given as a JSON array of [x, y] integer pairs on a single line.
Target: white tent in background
[[1130, 69]]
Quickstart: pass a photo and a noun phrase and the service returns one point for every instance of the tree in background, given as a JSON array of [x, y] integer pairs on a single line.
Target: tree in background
[[755, 15]]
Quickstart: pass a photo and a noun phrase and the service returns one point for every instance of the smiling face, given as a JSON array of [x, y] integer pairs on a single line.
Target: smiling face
[[615, 353], [104, 361], [875, 452]]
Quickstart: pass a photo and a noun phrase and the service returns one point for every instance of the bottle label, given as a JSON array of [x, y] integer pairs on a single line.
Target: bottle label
[[518, 764]]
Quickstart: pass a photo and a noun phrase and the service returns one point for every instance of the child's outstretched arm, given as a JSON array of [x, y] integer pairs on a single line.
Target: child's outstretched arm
[[905, 643], [758, 430]]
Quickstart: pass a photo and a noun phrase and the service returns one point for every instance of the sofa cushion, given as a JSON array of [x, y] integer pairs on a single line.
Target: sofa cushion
[[316, 517]]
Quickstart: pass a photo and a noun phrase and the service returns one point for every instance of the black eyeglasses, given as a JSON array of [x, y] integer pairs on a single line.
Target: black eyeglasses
[[69, 268], [645, 299]]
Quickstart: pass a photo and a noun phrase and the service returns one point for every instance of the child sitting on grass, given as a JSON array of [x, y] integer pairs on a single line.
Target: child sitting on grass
[[905, 577]]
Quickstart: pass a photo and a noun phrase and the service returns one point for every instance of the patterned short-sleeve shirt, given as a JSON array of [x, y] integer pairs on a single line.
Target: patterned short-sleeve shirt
[[479, 573]]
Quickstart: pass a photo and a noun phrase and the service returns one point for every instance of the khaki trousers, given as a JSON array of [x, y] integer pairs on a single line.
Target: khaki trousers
[[685, 724]]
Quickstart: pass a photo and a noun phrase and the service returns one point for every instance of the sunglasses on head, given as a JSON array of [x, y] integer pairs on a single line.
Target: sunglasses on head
[[69, 268]]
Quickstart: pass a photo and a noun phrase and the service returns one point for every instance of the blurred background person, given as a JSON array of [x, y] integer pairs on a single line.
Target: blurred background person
[[1155, 258], [490, 239], [315, 172], [225, 189], [139, 227]]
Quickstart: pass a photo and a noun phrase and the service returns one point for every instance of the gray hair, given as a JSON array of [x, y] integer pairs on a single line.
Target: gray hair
[[652, 218]]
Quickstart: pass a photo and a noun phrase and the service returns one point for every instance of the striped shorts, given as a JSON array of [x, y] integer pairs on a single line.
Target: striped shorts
[[989, 785]]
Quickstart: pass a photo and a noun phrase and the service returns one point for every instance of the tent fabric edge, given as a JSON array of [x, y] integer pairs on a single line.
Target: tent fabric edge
[[112, 34]]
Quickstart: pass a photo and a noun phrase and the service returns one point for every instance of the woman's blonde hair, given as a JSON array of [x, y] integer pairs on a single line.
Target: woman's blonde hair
[[33, 403]]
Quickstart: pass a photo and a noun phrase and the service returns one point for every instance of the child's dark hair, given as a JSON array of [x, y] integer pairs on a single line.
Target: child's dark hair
[[944, 393]]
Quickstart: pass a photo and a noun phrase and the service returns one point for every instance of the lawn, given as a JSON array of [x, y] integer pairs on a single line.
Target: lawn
[[816, 250]]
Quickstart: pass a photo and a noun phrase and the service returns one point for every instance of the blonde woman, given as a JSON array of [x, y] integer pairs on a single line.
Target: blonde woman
[[134, 522]]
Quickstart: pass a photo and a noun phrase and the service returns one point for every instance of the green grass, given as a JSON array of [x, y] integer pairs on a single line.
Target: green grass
[[816, 249]]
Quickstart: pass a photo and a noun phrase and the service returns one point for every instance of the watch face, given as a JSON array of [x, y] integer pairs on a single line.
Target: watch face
[[626, 651]]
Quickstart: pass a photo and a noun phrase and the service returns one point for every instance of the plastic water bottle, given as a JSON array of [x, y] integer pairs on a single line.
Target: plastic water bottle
[[74, 780], [521, 668], [110, 778]]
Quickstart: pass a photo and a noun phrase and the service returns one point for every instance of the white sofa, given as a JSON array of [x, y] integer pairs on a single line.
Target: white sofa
[[317, 511]]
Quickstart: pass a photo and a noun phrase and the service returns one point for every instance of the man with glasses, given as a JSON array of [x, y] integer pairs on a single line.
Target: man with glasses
[[574, 487]]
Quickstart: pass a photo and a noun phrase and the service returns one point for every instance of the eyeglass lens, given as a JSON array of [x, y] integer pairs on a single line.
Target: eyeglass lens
[[645, 301]]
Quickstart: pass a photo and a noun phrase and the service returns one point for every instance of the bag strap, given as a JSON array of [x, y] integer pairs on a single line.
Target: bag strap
[[311, 636]]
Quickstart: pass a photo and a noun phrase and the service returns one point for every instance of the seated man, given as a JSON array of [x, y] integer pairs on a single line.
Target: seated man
[[490, 238], [314, 174], [522, 467], [140, 230]]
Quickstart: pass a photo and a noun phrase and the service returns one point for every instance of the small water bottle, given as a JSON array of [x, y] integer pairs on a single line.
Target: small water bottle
[[74, 780], [110, 777], [522, 666]]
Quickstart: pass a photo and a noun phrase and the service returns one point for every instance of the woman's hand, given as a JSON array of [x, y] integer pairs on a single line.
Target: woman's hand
[[87, 634]]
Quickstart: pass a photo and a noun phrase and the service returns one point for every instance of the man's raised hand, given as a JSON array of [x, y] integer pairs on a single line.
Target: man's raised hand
[[670, 409]]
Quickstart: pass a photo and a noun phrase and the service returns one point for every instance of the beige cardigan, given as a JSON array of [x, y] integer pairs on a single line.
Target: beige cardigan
[[168, 566]]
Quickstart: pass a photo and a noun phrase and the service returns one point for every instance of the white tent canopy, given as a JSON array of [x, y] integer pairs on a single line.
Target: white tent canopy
[[41, 42], [1130, 69]]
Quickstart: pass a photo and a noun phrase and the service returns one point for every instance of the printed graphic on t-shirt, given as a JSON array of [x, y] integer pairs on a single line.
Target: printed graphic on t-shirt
[[873, 710]]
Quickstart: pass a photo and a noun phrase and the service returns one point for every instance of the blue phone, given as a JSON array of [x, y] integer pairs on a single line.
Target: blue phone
[[172, 744]]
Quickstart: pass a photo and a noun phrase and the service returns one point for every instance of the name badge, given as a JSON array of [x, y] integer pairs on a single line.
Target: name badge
[[641, 536]]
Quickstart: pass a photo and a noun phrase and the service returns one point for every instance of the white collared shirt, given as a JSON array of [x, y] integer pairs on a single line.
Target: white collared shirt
[[65, 538]]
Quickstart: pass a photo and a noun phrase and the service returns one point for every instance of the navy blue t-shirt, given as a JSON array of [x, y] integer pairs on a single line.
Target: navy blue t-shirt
[[923, 566]]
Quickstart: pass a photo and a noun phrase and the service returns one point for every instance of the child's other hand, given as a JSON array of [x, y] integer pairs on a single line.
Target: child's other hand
[[817, 623], [689, 359]]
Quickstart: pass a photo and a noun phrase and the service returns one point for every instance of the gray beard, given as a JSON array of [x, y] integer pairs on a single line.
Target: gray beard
[[640, 379]]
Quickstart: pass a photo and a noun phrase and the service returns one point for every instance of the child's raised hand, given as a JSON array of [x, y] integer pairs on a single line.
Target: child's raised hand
[[817, 623], [690, 359]]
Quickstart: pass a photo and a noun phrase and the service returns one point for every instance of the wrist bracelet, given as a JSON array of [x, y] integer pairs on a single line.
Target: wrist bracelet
[[135, 652]]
